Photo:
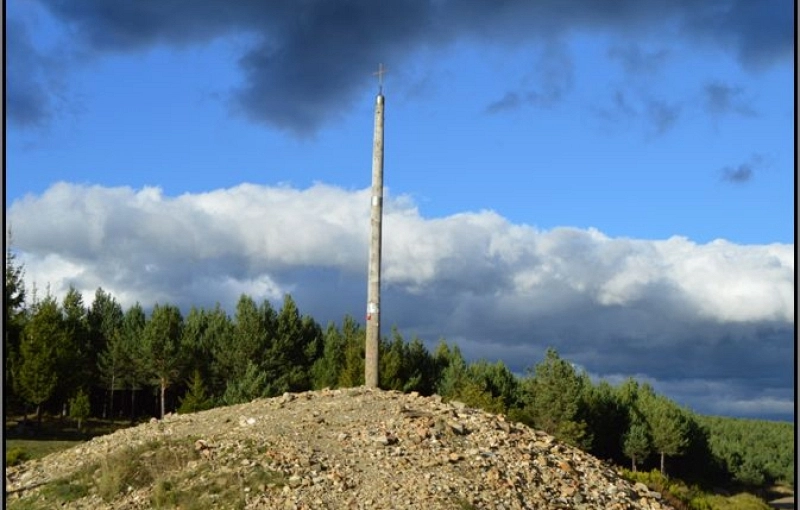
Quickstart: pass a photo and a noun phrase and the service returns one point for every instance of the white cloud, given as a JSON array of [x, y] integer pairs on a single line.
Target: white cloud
[[667, 308]]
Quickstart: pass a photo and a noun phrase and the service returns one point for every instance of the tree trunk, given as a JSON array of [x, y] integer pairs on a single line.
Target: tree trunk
[[111, 404], [633, 464], [662, 464], [39, 415], [163, 390], [133, 401]]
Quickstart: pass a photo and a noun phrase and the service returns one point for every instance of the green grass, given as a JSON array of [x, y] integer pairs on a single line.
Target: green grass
[[20, 450], [55, 434], [160, 465], [55, 493], [681, 496]]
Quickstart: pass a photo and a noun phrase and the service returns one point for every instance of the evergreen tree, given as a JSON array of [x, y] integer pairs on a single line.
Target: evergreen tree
[[498, 381], [79, 407], [608, 419], [327, 368], [36, 375], [668, 426], [219, 332], [354, 336], [161, 348], [285, 363], [420, 368], [391, 371], [196, 398], [196, 343], [14, 318], [248, 342], [105, 332], [636, 441], [76, 360], [251, 385], [112, 363], [135, 373], [555, 400], [453, 370]]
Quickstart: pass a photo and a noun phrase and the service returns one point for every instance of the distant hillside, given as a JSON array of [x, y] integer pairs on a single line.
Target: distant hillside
[[755, 452]]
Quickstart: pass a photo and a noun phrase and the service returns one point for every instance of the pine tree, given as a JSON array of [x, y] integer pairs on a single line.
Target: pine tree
[[391, 371], [196, 398], [636, 441], [104, 319], [327, 368], [555, 400], [77, 359], [354, 335], [36, 375], [195, 343], [248, 342], [668, 426], [251, 385], [161, 348], [79, 407], [419, 368], [135, 372], [453, 371], [15, 316]]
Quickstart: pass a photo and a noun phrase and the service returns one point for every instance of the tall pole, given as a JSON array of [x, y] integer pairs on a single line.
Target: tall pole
[[376, 216]]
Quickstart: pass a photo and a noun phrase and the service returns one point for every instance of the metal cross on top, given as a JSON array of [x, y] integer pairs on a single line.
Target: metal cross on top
[[381, 71]]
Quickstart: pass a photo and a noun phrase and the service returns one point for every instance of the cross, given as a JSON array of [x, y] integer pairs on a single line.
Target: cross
[[379, 74]]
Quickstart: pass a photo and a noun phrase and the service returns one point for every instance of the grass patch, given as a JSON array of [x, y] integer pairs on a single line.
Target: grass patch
[[162, 466], [56, 493], [140, 466], [225, 488], [20, 450], [16, 455], [682, 496]]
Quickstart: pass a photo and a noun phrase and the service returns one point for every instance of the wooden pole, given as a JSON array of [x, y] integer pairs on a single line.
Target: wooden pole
[[374, 274]]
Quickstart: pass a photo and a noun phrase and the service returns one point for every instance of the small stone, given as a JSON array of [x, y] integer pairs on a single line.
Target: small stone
[[457, 427]]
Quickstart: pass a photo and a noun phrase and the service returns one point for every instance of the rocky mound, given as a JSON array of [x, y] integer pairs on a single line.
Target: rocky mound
[[349, 448]]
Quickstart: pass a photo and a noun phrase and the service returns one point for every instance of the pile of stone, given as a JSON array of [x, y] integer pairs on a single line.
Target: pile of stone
[[358, 448]]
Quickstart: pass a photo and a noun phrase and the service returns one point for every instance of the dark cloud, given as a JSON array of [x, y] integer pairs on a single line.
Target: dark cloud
[[28, 100], [721, 99], [759, 32], [743, 172], [310, 59]]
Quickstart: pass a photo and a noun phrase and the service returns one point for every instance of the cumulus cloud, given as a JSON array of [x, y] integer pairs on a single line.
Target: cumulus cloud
[[670, 309], [308, 62]]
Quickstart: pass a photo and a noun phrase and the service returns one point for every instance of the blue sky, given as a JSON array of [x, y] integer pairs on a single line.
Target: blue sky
[[630, 163]]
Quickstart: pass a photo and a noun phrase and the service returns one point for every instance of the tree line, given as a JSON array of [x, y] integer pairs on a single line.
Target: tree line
[[141, 364]]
